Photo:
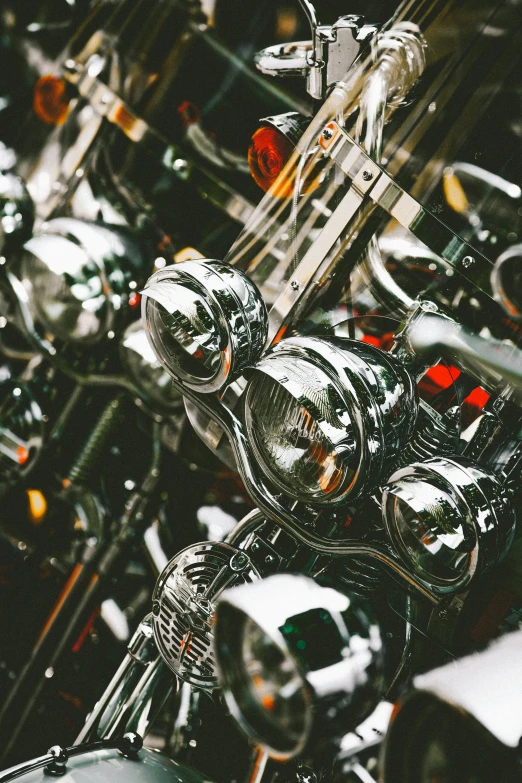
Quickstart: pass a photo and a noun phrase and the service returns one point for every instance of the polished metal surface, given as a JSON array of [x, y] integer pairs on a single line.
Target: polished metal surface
[[363, 401], [183, 606], [206, 322], [462, 520], [153, 384], [325, 657], [102, 766], [78, 277]]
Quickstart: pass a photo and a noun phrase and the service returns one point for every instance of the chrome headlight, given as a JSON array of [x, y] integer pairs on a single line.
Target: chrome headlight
[[463, 721], [78, 277], [449, 519], [21, 431], [325, 416], [183, 606], [298, 663], [206, 322], [152, 383]]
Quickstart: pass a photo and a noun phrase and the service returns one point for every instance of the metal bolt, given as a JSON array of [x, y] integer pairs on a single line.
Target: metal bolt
[[255, 546], [238, 561], [367, 175], [468, 261], [269, 559], [327, 134], [57, 766], [294, 285]]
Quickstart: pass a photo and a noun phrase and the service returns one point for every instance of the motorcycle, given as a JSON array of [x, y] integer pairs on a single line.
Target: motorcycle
[[355, 359]]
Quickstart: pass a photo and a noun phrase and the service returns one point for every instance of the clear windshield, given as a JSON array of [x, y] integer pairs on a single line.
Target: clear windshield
[[452, 141]]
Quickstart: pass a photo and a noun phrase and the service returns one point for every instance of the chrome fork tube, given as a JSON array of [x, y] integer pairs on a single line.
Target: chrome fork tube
[[136, 692], [401, 63]]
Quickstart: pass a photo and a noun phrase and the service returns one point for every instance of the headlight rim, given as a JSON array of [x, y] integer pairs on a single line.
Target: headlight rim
[[458, 475], [354, 379], [337, 686], [241, 339]]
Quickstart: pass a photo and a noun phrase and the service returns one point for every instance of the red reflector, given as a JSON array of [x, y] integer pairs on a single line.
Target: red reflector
[[50, 100], [22, 454], [267, 155], [134, 300]]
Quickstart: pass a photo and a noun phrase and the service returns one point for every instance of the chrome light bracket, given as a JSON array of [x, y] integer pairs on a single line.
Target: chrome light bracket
[[183, 605], [332, 641], [371, 185], [470, 508], [219, 319], [363, 400], [324, 59]]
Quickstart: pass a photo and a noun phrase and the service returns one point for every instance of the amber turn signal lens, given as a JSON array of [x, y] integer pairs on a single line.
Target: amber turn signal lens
[[50, 100], [267, 155]]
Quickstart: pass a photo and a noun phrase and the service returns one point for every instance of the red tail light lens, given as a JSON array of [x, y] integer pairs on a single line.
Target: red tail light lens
[[50, 100], [267, 155]]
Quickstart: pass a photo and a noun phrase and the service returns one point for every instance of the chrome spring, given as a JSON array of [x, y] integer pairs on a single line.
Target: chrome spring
[[361, 576], [435, 436], [98, 441]]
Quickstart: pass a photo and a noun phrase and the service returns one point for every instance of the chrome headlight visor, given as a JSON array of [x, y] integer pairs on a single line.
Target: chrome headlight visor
[[183, 606], [325, 416], [299, 664], [78, 277], [206, 322], [449, 520], [462, 722]]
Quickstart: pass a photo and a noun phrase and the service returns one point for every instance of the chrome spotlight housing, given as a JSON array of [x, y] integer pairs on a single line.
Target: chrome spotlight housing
[[78, 277], [152, 383], [461, 722], [206, 322], [21, 431], [299, 663], [324, 417], [449, 520], [183, 606]]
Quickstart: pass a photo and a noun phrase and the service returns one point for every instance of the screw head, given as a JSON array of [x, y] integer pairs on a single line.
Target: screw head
[[294, 285], [327, 134], [238, 561], [59, 754], [468, 261], [367, 175]]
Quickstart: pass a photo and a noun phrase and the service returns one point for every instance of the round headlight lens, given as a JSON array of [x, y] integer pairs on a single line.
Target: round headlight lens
[[187, 336], [65, 289], [152, 383], [289, 442], [324, 418], [299, 663], [206, 322], [273, 682], [438, 540], [78, 277], [448, 519]]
